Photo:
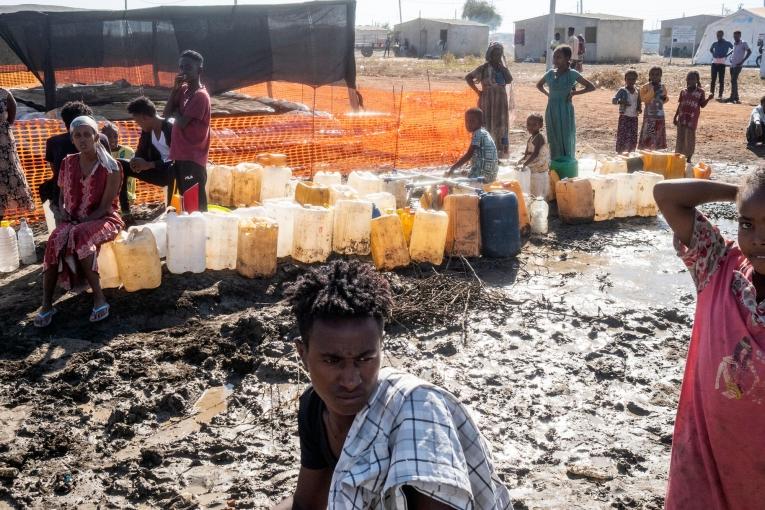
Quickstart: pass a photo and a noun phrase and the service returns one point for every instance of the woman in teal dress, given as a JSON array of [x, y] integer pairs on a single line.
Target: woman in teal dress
[[559, 117]]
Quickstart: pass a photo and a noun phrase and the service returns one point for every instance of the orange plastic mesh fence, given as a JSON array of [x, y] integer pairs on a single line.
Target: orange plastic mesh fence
[[409, 130]]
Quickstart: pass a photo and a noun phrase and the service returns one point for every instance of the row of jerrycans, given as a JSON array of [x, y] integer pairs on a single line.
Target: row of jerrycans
[[604, 197], [667, 164], [189, 243], [249, 183]]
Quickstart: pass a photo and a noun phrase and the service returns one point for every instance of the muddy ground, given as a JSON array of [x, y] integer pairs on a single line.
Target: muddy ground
[[571, 356]]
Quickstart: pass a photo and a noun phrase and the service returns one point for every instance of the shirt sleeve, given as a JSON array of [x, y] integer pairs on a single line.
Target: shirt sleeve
[[707, 249], [63, 171], [197, 107], [426, 453], [309, 430], [755, 116]]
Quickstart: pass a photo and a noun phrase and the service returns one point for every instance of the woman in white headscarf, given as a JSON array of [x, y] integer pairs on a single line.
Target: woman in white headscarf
[[90, 182]]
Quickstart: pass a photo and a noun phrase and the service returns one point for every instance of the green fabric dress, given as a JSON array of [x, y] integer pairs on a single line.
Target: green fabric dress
[[559, 117]]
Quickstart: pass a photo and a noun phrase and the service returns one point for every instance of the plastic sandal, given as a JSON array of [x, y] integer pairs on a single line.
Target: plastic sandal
[[43, 319], [100, 313]]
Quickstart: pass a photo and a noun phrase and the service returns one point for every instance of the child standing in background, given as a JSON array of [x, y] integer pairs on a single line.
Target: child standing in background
[[537, 155], [692, 100], [653, 135], [559, 116], [628, 99], [482, 152]]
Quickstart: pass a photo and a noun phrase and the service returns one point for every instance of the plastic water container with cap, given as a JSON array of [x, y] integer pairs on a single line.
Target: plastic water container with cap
[[312, 235], [246, 183], [220, 184], [9, 248], [463, 234], [539, 212], [159, 230], [383, 201], [276, 177], [222, 232], [283, 211], [429, 236], [341, 192], [352, 226], [604, 189], [646, 205], [364, 183], [186, 240], [626, 195], [328, 179], [26, 242], [500, 226], [256, 247], [389, 249], [138, 260]]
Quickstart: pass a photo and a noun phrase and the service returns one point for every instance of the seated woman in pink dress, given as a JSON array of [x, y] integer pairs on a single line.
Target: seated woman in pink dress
[[90, 182]]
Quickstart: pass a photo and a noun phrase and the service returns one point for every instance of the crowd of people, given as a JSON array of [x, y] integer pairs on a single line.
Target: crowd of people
[[93, 177], [373, 437]]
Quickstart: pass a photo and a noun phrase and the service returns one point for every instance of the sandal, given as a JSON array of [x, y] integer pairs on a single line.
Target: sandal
[[43, 319], [100, 313]]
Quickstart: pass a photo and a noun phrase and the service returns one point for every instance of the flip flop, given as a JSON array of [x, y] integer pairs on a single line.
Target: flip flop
[[43, 319], [100, 313]]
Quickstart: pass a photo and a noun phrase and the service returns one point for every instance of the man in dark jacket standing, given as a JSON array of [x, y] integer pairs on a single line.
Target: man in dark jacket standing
[[152, 162]]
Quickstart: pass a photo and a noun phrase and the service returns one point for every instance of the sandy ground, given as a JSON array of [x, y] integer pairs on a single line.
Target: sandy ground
[[571, 356]]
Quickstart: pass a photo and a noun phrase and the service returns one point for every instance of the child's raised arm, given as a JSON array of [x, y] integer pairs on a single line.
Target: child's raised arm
[[677, 199]]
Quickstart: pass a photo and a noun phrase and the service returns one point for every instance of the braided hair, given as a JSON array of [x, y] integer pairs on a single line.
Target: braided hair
[[339, 289]]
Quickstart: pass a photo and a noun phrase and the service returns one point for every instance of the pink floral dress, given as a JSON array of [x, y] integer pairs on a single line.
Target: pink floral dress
[[81, 196], [718, 449]]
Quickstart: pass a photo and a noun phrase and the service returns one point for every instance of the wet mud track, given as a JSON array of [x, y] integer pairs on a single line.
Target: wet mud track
[[571, 357]]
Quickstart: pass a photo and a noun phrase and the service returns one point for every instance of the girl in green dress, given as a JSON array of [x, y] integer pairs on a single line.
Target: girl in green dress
[[559, 117]]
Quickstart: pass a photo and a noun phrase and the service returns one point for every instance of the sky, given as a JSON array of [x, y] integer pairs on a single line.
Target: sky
[[381, 11]]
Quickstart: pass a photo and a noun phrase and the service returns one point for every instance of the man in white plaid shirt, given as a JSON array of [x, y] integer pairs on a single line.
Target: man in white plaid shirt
[[372, 438]]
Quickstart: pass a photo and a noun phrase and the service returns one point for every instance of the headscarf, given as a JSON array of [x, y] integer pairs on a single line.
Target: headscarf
[[491, 48], [104, 158]]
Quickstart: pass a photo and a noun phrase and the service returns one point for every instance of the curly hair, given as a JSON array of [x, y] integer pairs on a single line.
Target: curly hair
[[537, 117], [339, 289], [752, 183], [72, 110]]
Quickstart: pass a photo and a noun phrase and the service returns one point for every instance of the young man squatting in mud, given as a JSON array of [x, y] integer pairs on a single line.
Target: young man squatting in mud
[[353, 403]]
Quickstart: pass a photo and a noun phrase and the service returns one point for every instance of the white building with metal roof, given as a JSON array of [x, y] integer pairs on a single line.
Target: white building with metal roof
[[430, 37], [610, 39]]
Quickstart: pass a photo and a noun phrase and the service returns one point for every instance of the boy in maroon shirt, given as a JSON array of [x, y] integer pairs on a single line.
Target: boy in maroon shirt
[[189, 104]]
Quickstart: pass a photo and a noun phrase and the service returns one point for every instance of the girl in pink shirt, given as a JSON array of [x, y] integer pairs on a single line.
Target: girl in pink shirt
[[718, 448]]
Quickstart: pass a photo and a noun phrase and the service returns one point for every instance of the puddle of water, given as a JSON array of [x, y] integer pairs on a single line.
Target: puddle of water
[[213, 402]]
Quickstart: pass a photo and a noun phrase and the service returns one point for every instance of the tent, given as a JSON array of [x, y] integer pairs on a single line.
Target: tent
[[309, 43], [751, 23]]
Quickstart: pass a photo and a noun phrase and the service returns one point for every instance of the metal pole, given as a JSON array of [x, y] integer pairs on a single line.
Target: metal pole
[[400, 14], [671, 45], [550, 33]]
